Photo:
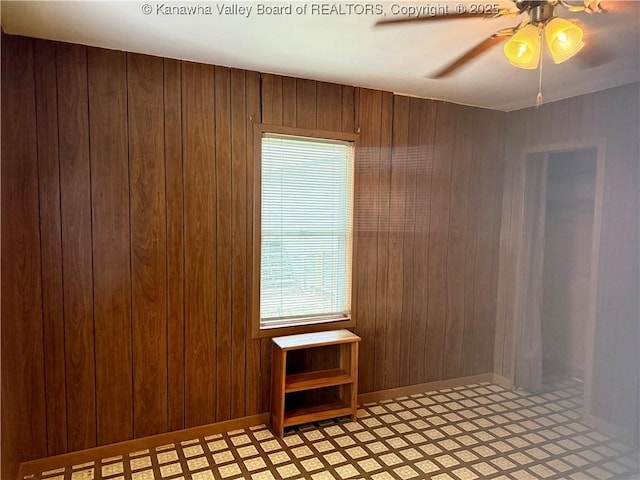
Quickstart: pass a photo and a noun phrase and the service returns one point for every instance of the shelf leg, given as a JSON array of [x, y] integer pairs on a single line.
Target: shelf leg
[[277, 391], [354, 385]]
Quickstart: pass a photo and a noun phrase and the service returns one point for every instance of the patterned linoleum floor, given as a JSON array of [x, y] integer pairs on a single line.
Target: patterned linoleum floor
[[480, 431]]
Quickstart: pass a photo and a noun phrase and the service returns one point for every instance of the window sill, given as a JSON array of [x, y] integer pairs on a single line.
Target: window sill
[[269, 332]]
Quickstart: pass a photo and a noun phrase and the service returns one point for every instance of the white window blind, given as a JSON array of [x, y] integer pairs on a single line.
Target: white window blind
[[306, 230]]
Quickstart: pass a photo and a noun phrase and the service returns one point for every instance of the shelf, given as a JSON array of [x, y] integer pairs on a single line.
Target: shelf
[[317, 413], [340, 378], [317, 379], [316, 339]]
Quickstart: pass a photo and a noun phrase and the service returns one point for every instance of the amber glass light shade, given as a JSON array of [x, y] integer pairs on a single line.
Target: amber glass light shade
[[564, 39], [523, 48]]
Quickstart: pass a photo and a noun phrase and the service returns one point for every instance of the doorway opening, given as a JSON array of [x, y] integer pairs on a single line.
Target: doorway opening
[[557, 267], [567, 264]]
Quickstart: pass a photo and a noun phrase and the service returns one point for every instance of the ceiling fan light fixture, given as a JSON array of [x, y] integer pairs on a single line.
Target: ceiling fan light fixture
[[523, 48], [564, 39]]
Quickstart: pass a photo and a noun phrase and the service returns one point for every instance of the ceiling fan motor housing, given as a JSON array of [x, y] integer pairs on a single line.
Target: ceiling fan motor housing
[[541, 12]]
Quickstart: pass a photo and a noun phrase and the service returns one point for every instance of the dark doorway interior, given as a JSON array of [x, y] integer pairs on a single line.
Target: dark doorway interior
[[570, 198]]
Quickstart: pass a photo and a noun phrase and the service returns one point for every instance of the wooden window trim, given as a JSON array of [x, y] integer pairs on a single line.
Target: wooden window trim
[[254, 309]]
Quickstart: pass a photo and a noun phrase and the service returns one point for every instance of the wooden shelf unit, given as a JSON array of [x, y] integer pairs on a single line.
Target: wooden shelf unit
[[344, 376]]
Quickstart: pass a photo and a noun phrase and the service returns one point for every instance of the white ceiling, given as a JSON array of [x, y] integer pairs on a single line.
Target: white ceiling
[[343, 48]]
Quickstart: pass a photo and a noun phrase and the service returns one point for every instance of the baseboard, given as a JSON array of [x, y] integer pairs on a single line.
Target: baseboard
[[113, 449], [502, 381], [423, 387]]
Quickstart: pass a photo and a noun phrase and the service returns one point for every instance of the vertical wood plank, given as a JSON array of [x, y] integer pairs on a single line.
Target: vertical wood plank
[[348, 109], [424, 176], [266, 352], [175, 241], [395, 286], [329, 106], [75, 181], [306, 103], [239, 259], [460, 178], [271, 97], [408, 243], [148, 243], [444, 142], [365, 224], [481, 328], [471, 255], [198, 133], [382, 260], [252, 380], [23, 386], [224, 241], [51, 245], [289, 102], [504, 262], [493, 186], [107, 78]]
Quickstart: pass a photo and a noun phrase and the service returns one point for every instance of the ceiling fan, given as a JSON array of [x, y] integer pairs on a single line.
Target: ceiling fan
[[564, 38]]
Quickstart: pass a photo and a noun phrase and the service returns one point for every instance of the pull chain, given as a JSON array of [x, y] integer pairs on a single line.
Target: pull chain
[[539, 97]]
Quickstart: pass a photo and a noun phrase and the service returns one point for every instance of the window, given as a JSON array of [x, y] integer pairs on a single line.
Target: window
[[304, 223]]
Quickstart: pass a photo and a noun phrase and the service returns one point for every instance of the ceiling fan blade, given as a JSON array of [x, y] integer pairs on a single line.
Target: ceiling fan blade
[[479, 49]]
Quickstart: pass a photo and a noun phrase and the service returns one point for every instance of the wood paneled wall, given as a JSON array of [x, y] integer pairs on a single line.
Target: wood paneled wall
[[608, 120], [24, 430], [127, 230], [428, 214]]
